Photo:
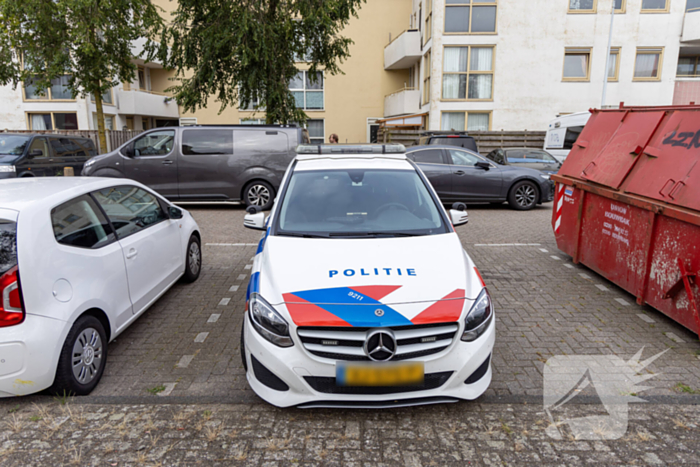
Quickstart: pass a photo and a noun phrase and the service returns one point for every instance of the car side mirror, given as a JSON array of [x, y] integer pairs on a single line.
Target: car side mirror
[[174, 212], [458, 217], [254, 219], [483, 165], [36, 153], [128, 151]]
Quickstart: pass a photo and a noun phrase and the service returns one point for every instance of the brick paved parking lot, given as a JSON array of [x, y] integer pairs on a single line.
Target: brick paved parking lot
[[185, 349]]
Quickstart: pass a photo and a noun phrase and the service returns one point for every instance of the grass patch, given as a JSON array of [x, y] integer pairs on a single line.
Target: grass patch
[[156, 390], [684, 388]]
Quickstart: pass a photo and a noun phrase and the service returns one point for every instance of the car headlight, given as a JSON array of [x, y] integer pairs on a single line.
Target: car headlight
[[479, 317], [89, 163], [7, 168], [545, 176], [268, 322]]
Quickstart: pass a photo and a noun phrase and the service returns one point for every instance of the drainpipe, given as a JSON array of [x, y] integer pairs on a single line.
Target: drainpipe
[[607, 62]]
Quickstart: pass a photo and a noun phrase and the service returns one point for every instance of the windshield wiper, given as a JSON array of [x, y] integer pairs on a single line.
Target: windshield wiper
[[301, 235], [373, 234]]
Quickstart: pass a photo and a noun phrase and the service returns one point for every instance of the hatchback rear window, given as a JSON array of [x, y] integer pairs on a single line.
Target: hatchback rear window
[[8, 245]]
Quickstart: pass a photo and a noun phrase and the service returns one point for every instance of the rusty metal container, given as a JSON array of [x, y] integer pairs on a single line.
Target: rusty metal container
[[627, 205]]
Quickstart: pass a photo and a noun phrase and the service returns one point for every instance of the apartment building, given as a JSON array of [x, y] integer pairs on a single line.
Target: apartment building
[[515, 65]]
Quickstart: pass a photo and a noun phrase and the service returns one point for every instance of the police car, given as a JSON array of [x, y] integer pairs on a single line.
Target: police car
[[361, 294]]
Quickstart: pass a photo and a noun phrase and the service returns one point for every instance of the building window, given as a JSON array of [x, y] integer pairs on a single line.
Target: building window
[[582, 6], [654, 6], [141, 75], [426, 77], [53, 121], [252, 105], [614, 64], [577, 64], [109, 122], [58, 91], [428, 30], [307, 93], [475, 121], [467, 73], [688, 66], [647, 66], [475, 17], [106, 97], [252, 121], [692, 5], [317, 131]]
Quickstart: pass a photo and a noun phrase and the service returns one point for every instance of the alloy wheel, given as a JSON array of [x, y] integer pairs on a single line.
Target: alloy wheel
[[87, 355], [525, 196], [258, 195], [195, 258]]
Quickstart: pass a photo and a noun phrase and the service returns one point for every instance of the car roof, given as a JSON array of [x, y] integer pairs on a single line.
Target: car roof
[[29, 135], [441, 146], [20, 193]]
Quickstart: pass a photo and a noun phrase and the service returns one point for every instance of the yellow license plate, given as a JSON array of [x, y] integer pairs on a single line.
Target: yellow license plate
[[395, 374]]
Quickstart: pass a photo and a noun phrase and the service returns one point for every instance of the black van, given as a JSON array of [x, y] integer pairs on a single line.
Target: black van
[[35, 155], [449, 138], [206, 163]]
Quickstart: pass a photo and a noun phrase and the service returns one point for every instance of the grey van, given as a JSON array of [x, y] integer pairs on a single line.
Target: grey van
[[42, 155], [206, 163]]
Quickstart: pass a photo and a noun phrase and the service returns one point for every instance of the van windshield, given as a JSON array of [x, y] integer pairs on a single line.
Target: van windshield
[[8, 245], [13, 145], [358, 203]]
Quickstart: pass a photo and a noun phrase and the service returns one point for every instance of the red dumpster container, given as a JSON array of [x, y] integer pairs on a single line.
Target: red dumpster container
[[627, 205]]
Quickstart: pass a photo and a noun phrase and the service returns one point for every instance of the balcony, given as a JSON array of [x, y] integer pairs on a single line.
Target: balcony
[[152, 104], [403, 102], [686, 90], [403, 52], [691, 27]]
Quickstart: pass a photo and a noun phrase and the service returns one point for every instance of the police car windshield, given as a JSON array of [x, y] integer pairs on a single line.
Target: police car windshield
[[358, 203]]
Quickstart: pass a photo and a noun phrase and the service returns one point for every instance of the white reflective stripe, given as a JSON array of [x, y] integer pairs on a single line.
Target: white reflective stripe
[[560, 203], [557, 223], [424, 332], [348, 336], [358, 351], [561, 186], [404, 349]]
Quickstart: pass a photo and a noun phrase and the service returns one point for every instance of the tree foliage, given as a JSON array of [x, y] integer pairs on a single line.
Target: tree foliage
[[245, 51], [92, 41]]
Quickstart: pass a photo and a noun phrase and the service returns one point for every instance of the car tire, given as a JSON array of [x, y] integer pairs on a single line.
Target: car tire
[[523, 196], [243, 359], [88, 340], [260, 194], [193, 260]]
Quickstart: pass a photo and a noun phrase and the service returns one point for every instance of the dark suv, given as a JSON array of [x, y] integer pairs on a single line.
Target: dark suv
[[449, 138], [38, 155]]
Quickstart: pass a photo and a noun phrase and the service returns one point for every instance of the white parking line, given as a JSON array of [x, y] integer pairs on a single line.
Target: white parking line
[[234, 288], [544, 251], [585, 276], [231, 244], [602, 287], [168, 389], [555, 257], [622, 302], [645, 318], [674, 337], [224, 301], [214, 318], [185, 361], [201, 337], [241, 277], [248, 266], [570, 266]]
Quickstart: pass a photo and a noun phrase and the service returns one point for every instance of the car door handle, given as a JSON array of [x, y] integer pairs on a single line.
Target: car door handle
[[131, 253], [460, 172], [167, 162]]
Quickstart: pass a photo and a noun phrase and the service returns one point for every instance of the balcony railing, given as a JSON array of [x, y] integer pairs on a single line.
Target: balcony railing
[[402, 102], [404, 51], [150, 103], [691, 26]]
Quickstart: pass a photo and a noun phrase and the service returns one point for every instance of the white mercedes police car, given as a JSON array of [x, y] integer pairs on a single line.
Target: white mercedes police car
[[361, 294]]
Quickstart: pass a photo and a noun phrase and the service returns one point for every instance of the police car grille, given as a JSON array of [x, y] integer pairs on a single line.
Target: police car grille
[[340, 343], [327, 385]]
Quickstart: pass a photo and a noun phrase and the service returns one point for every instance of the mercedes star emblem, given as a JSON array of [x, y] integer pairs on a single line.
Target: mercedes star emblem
[[379, 312], [380, 345]]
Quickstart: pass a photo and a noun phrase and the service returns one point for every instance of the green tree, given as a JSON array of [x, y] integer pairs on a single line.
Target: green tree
[[245, 50], [91, 41]]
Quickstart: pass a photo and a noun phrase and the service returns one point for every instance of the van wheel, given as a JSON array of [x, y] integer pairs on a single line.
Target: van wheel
[[83, 358], [259, 194], [523, 196], [193, 260]]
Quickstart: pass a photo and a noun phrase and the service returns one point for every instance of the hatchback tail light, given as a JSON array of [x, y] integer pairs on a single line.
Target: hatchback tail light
[[11, 309]]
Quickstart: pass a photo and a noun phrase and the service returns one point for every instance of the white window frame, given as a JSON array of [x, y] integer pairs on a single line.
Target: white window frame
[[304, 90]]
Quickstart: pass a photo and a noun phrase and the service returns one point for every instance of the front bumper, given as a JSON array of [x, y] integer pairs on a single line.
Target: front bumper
[[293, 365], [547, 192], [29, 355]]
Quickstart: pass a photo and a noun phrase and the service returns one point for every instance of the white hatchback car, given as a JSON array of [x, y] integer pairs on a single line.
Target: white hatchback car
[[80, 260], [361, 294]]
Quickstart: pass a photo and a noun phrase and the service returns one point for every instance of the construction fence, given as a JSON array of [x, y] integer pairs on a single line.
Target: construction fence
[[486, 141], [114, 138]]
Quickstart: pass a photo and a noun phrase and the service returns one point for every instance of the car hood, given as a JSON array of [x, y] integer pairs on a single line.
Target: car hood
[[367, 282], [7, 159]]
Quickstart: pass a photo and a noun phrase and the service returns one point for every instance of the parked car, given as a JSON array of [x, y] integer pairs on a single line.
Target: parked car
[[563, 132], [526, 157], [38, 155], [206, 163], [461, 175], [449, 138], [80, 260], [361, 294]]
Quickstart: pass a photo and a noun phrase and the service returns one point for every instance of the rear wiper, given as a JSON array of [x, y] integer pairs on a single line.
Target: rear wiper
[[373, 234], [301, 235]]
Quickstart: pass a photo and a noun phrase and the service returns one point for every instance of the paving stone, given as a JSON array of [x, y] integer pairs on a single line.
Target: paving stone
[[201, 337]]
